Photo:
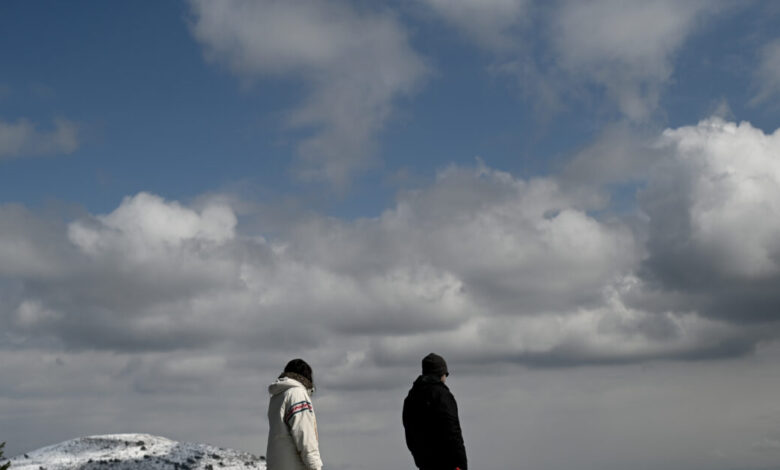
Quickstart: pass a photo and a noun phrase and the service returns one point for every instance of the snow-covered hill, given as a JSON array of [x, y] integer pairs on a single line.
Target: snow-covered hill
[[135, 452]]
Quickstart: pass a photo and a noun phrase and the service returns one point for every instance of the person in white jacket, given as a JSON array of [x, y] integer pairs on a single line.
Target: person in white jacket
[[293, 443]]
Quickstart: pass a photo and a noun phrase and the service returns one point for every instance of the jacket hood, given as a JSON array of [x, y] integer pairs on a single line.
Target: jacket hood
[[285, 383], [429, 381]]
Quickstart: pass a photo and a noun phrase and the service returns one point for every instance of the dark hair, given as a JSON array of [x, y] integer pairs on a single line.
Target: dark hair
[[299, 366]]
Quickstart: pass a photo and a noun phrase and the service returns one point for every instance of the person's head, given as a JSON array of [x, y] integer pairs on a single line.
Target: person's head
[[435, 365], [300, 367]]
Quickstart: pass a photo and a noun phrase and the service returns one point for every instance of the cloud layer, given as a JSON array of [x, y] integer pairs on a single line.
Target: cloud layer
[[510, 269], [715, 206]]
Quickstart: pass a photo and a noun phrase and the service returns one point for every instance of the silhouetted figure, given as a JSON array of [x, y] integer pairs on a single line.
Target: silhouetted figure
[[293, 443], [431, 422]]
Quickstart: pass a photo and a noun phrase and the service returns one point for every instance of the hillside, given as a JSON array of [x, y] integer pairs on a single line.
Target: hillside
[[136, 452]]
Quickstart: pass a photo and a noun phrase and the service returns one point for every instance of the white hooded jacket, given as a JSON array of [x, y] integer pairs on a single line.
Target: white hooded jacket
[[293, 443]]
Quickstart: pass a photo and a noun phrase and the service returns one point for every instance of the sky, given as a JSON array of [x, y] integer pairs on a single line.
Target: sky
[[576, 203]]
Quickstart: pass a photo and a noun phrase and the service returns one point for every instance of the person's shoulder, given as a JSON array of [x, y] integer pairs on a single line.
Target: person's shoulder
[[297, 393], [443, 391], [431, 387]]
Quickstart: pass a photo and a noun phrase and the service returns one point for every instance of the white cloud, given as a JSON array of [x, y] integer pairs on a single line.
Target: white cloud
[[145, 225], [567, 48], [725, 179], [767, 74], [22, 138], [354, 63], [706, 214], [493, 23], [626, 47]]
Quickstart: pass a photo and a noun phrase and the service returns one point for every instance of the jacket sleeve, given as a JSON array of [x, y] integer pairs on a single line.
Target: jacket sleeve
[[302, 424], [410, 431], [448, 412]]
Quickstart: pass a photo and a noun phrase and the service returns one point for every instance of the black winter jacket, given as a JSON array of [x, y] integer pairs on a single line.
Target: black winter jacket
[[432, 426]]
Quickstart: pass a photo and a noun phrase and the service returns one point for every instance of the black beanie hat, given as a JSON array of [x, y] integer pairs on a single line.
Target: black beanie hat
[[299, 366], [433, 364]]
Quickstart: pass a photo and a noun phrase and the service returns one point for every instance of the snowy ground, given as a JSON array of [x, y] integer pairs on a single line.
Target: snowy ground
[[134, 452]]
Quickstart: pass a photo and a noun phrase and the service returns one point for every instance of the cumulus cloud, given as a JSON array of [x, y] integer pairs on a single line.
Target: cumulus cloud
[[712, 208], [510, 269], [103, 282], [706, 211], [22, 138], [145, 225], [767, 73], [732, 173], [480, 265], [355, 64]]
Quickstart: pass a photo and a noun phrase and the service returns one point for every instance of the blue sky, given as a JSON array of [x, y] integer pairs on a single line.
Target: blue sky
[[148, 106], [577, 203]]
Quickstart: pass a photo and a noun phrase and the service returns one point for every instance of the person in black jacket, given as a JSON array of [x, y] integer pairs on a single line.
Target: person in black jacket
[[430, 418]]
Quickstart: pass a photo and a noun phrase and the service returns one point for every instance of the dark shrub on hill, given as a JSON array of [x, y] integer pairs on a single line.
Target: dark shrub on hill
[[7, 464]]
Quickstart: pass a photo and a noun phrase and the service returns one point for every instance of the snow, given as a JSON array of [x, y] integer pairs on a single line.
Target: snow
[[135, 452]]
